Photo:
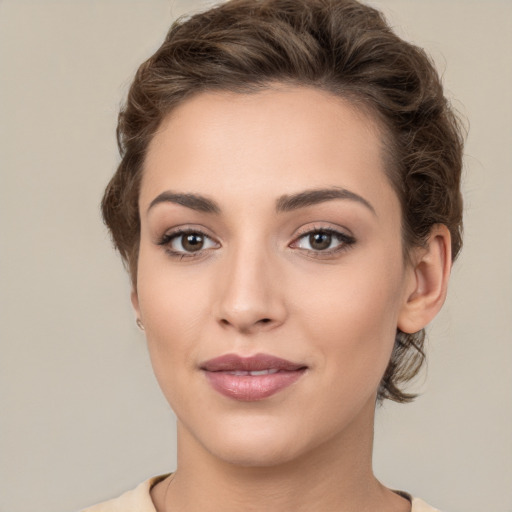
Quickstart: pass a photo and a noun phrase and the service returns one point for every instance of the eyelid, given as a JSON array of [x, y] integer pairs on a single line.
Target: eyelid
[[343, 235], [346, 240], [321, 226], [170, 235]]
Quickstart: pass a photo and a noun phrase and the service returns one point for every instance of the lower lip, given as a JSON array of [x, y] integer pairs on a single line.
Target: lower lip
[[250, 388]]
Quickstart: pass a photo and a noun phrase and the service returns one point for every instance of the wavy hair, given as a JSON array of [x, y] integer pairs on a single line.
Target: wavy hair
[[339, 46]]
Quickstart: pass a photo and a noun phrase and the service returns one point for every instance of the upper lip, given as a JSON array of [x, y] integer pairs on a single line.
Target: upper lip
[[257, 362]]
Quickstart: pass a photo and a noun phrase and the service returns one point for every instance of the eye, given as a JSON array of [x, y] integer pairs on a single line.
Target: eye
[[186, 243], [323, 240]]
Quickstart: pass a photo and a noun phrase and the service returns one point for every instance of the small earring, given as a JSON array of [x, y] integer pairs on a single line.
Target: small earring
[[140, 325]]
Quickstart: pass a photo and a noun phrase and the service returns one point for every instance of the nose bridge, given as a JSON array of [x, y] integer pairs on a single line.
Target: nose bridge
[[250, 298]]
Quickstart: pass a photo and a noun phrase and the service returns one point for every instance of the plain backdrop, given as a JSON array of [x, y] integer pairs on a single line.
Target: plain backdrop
[[82, 418]]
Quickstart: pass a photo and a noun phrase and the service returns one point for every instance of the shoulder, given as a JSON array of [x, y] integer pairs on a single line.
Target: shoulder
[[417, 505], [420, 506], [139, 500], [136, 500]]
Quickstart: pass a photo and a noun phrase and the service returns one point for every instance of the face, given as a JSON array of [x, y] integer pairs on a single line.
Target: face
[[270, 273]]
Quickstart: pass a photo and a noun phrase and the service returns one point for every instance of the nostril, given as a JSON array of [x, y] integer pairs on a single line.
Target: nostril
[[245, 325]]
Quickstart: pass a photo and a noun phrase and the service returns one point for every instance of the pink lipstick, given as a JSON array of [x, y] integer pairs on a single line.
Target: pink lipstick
[[251, 378]]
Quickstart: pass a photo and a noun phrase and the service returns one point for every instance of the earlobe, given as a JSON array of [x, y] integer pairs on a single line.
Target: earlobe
[[430, 275]]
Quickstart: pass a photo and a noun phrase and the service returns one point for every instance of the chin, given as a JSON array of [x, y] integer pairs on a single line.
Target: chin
[[253, 454], [266, 441], [252, 442]]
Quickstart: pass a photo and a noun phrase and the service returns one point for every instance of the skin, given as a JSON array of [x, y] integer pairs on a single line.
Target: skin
[[259, 286]]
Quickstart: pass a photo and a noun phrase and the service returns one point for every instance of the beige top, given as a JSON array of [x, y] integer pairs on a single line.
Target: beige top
[[139, 500]]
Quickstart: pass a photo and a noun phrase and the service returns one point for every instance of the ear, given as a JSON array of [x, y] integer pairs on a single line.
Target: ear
[[429, 275]]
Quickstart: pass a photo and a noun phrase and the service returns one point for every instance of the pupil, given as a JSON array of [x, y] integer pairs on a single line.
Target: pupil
[[193, 242], [320, 240]]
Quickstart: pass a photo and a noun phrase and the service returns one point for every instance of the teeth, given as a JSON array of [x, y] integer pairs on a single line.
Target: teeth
[[254, 373], [264, 372]]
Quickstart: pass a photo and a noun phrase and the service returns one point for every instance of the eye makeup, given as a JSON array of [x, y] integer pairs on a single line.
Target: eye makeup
[[322, 242], [317, 241], [187, 243]]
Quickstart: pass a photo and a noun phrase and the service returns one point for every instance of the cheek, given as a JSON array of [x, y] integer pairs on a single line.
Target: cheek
[[361, 297], [173, 312], [353, 323], [170, 302]]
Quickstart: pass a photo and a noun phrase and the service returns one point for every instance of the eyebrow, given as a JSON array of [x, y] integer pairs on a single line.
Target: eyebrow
[[292, 202], [285, 203], [192, 201]]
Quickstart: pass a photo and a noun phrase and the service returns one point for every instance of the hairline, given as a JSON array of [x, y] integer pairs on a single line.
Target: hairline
[[355, 100]]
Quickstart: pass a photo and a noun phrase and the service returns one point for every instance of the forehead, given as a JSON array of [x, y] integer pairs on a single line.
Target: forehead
[[273, 142]]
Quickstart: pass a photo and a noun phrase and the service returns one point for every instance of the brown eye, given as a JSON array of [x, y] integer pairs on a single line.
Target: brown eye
[[323, 242], [188, 243], [320, 240], [192, 242]]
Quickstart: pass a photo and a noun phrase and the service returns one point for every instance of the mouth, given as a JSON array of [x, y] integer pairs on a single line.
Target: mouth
[[251, 378]]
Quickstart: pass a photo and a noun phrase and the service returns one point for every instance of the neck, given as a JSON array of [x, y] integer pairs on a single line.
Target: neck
[[337, 475]]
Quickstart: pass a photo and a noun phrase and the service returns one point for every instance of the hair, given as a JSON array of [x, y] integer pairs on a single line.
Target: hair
[[339, 46]]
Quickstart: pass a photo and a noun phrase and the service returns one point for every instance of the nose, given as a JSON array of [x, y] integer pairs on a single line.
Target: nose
[[250, 292]]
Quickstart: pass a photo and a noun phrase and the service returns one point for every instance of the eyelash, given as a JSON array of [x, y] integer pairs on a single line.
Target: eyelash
[[167, 239], [345, 241]]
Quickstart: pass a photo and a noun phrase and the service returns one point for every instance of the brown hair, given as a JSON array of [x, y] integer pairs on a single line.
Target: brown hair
[[340, 46]]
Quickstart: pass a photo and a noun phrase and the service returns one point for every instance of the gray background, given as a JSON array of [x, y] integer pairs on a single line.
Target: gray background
[[82, 418]]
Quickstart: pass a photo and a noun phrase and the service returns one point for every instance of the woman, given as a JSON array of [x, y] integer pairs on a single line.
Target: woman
[[288, 205]]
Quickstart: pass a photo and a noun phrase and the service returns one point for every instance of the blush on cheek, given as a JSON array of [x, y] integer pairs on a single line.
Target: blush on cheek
[[361, 332]]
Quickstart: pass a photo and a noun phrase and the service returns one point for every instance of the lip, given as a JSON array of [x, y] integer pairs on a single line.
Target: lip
[[230, 375]]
